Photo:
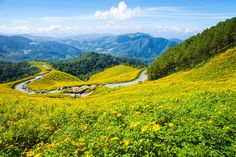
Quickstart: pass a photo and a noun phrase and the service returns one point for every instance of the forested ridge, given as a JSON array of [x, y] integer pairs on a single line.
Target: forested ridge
[[14, 71], [195, 50]]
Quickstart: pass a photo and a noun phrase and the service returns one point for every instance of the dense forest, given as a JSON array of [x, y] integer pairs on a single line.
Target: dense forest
[[86, 65], [14, 71], [195, 50]]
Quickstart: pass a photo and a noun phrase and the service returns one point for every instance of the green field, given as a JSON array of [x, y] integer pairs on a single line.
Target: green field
[[189, 113]]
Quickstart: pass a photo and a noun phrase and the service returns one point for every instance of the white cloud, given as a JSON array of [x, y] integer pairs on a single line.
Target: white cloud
[[122, 12], [20, 21], [14, 28], [175, 29], [55, 18], [52, 28]]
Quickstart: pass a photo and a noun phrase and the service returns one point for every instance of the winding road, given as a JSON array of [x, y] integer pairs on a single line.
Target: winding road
[[22, 87]]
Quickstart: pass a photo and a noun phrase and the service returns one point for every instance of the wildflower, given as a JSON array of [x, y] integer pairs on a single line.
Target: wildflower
[[28, 154], [144, 129], [171, 125], [226, 128], [152, 123], [118, 115], [114, 139], [126, 142], [134, 125], [156, 127]]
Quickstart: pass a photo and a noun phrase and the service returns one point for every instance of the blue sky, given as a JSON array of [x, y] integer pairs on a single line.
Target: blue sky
[[165, 18]]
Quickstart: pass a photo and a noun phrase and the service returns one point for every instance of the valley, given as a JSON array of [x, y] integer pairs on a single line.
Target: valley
[[124, 75]]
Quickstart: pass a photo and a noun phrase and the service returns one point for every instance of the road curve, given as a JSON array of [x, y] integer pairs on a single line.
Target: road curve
[[22, 87], [142, 77]]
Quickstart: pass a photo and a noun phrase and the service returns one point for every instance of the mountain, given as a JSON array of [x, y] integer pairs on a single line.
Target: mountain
[[18, 48], [90, 63], [195, 50], [134, 45]]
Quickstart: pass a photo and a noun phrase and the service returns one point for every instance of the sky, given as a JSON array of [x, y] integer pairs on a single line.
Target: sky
[[160, 18]]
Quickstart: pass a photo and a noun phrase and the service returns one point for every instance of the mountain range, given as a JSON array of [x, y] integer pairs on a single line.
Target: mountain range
[[134, 45]]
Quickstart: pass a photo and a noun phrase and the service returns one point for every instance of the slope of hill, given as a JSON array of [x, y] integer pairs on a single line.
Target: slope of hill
[[14, 71], [137, 45], [53, 80], [119, 73], [18, 48], [195, 50], [86, 65], [177, 115]]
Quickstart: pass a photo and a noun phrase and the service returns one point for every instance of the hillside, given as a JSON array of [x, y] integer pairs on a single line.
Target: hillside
[[53, 80], [18, 48], [119, 73], [134, 45], [90, 63], [195, 50], [187, 113]]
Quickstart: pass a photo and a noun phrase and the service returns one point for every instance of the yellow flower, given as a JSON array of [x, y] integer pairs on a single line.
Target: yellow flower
[[118, 115], [134, 125], [171, 125], [89, 155], [152, 123], [156, 127], [144, 129], [114, 139], [28, 154], [126, 142]]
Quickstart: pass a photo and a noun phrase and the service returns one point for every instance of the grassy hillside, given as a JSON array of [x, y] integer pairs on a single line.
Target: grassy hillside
[[53, 80], [184, 114], [119, 73], [195, 50]]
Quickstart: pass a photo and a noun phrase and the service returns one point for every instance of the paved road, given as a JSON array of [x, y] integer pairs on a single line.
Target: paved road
[[143, 77], [23, 85]]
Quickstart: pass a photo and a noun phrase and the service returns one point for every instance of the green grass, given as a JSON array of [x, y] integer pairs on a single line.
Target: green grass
[[190, 113]]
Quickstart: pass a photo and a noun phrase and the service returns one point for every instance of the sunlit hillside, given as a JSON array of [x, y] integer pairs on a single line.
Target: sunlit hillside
[[120, 73], [189, 113], [53, 80]]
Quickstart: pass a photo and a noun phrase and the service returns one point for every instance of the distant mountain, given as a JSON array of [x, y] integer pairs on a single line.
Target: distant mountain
[[135, 45], [87, 64], [18, 48], [195, 50]]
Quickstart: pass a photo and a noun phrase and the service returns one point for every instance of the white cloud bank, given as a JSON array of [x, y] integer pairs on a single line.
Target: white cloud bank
[[122, 12]]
